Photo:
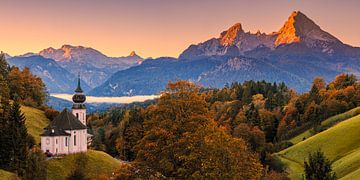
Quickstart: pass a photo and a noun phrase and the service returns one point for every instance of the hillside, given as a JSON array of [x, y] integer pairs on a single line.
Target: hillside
[[7, 175], [99, 163], [327, 123], [35, 122], [341, 144]]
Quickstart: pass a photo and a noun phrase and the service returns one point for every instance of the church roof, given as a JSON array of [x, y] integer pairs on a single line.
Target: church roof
[[67, 121], [53, 131]]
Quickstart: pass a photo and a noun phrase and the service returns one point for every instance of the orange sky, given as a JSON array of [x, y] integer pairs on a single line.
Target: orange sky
[[156, 28]]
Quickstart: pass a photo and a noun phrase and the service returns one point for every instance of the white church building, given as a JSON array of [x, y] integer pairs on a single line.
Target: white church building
[[67, 133]]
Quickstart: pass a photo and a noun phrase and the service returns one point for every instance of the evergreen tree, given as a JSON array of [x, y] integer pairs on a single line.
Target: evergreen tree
[[253, 116], [19, 137], [318, 167], [5, 139], [36, 165], [4, 66]]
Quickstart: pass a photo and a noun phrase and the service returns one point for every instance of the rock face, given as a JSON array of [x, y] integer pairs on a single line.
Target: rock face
[[297, 53], [300, 29], [297, 29], [94, 66], [231, 42]]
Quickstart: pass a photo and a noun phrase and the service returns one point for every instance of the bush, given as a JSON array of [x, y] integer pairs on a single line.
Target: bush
[[51, 113]]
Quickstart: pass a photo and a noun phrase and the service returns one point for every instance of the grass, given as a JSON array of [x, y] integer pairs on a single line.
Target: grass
[[99, 163], [7, 175], [35, 122], [326, 124], [341, 144]]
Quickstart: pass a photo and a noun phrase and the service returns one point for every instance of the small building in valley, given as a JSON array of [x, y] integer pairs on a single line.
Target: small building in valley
[[67, 133]]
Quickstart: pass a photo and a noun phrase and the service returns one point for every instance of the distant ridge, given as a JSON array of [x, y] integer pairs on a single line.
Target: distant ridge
[[295, 54]]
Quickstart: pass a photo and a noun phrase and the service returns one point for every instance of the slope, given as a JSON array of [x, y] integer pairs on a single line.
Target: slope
[[327, 123], [99, 163], [35, 122], [7, 175], [341, 144]]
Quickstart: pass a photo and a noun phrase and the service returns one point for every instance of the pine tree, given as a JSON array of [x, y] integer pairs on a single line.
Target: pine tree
[[5, 139], [36, 165], [318, 167], [19, 137], [4, 66]]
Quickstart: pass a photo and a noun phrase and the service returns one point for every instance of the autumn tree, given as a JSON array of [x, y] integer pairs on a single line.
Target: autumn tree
[[28, 88], [182, 141]]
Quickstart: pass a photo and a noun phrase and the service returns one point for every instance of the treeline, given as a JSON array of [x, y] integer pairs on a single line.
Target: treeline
[[24, 86], [193, 132], [18, 152]]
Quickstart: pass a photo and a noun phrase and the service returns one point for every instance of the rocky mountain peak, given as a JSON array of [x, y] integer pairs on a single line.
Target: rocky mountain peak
[[300, 28], [228, 38], [132, 54]]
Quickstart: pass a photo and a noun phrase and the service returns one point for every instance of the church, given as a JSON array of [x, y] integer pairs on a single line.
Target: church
[[67, 133]]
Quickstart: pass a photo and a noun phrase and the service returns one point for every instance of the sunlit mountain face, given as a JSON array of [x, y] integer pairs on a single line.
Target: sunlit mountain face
[[299, 51]]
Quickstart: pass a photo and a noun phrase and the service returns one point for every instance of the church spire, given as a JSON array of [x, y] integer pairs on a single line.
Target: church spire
[[79, 96], [78, 89]]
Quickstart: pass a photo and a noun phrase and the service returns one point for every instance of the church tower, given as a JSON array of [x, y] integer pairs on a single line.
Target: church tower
[[79, 108]]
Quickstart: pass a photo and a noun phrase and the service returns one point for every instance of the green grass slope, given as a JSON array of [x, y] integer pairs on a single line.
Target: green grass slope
[[99, 163], [35, 122], [341, 144], [326, 123], [7, 175]]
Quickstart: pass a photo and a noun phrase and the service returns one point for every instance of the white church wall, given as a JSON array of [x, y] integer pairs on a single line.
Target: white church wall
[[80, 114], [54, 144], [78, 141]]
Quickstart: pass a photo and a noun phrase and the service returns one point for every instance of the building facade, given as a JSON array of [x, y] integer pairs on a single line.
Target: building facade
[[67, 133]]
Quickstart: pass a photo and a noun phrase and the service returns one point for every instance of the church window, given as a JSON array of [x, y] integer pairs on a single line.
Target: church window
[[77, 115], [66, 141], [56, 140], [47, 141], [74, 140]]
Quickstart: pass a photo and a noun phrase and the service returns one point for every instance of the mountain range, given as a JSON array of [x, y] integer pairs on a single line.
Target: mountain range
[[59, 67], [295, 54]]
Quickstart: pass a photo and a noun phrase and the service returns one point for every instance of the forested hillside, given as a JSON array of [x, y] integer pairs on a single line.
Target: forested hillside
[[198, 132]]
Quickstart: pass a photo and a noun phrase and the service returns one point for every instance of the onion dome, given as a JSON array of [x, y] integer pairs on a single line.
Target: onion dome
[[79, 96]]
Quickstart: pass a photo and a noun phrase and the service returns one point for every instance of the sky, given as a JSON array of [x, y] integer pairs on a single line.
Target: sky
[[155, 28]]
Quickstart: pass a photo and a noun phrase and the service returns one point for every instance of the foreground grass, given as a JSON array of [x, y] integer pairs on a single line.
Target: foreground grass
[[7, 175], [341, 144], [99, 164], [35, 122], [326, 123]]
